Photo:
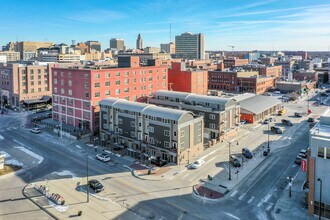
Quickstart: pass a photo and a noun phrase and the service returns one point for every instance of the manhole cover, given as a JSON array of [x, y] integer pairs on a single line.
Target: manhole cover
[[278, 211]]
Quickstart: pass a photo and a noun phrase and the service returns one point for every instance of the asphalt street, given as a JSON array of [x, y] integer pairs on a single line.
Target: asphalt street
[[169, 199]]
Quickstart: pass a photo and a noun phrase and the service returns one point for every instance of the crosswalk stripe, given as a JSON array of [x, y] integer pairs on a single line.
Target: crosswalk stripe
[[251, 199], [269, 206], [234, 193], [242, 196], [260, 203]]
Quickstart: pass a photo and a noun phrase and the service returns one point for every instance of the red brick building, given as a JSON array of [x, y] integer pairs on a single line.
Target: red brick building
[[231, 62], [77, 91], [305, 76], [185, 79], [239, 82]]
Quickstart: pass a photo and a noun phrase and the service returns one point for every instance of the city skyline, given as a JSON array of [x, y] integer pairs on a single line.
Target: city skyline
[[249, 25]]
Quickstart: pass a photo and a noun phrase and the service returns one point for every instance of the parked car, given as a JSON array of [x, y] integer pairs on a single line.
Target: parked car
[[303, 151], [197, 164], [95, 185], [276, 130], [297, 160], [247, 153], [265, 152], [158, 162], [243, 121], [234, 161], [266, 121], [103, 157], [311, 125], [36, 130], [324, 94], [287, 122], [311, 119], [302, 155], [281, 112], [298, 114]]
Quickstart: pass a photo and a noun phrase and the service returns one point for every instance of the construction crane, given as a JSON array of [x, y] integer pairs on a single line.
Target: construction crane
[[232, 47]]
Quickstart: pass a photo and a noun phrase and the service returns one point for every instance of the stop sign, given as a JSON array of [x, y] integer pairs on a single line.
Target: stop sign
[[303, 165]]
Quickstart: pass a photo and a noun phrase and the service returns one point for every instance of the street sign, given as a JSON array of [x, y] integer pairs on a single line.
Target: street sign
[[303, 165]]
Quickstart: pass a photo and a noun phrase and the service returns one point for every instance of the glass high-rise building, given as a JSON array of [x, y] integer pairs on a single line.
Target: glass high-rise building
[[190, 46], [116, 43]]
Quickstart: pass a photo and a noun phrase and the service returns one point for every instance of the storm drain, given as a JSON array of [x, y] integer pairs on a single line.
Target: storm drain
[[278, 211]]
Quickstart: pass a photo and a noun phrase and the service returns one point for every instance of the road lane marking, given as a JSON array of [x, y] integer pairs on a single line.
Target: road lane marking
[[18, 142], [251, 199], [242, 196], [262, 174], [234, 193], [267, 197], [231, 215]]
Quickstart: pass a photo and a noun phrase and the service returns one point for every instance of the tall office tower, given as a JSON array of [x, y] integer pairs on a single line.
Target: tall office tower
[[139, 42], [168, 48], [116, 43], [190, 46], [93, 46]]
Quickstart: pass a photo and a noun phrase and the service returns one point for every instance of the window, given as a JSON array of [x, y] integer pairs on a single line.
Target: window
[[126, 90], [86, 76], [86, 85], [132, 134], [126, 73], [174, 133], [107, 92], [164, 84], [134, 80], [151, 140], [182, 145], [97, 94], [120, 121], [97, 85], [182, 134], [151, 129], [117, 82], [107, 75], [70, 120], [86, 94], [31, 71], [39, 89], [97, 76], [120, 131], [126, 81], [70, 101], [150, 71], [69, 74], [39, 77], [117, 74], [164, 77], [24, 83], [107, 83], [167, 133], [55, 81], [320, 152], [70, 82], [166, 144], [133, 124], [86, 104], [62, 74], [150, 86], [212, 126], [70, 111], [55, 89], [70, 92], [212, 116], [55, 73], [39, 71], [150, 78], [39, 82], [201, 114], [327, 152], [117, 91], [62, 91]]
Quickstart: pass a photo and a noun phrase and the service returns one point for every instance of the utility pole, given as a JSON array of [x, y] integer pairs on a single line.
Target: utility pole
[[87, 174]]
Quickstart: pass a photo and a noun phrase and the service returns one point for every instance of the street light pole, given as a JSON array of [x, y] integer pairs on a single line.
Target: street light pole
[[87, 168], [290, 184], [229, 144], [268, 147], [320, 180]]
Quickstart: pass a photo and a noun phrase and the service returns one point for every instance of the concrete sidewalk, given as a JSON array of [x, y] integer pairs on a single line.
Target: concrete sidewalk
[[100, 205], [293, 207]]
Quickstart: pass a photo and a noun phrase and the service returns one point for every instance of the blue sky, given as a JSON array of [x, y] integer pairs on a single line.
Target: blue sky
[[247, 24]]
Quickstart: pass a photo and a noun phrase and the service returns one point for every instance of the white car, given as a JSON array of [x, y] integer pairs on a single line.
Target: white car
[[196, 164], [36, 130], [103, 157]]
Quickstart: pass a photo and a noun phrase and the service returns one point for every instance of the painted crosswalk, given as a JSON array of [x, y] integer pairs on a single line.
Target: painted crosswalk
[[252, 200]]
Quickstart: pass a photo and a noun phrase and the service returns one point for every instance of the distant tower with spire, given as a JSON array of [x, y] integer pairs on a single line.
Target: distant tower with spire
[[139, 42]]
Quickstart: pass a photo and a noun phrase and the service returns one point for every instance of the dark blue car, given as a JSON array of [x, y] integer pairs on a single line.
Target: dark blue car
[[247, 153]]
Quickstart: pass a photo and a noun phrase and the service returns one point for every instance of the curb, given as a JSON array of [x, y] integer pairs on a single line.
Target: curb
[[37, 204]]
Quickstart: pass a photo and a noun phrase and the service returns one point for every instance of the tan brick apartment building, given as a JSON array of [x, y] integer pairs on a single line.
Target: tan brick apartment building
[[20, 82], [231, 62]]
